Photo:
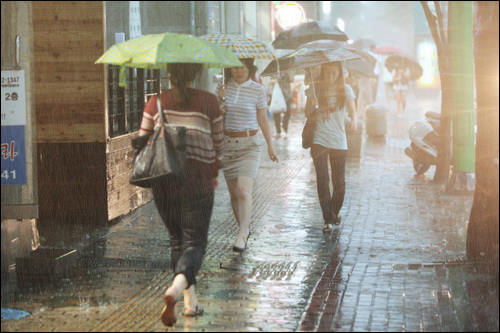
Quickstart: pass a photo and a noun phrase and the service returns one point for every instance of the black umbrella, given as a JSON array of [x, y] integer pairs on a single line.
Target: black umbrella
[[363, 66], [360, 66], [363, 43], [405, 61], [307, 32], [367, 57], [308, 57]]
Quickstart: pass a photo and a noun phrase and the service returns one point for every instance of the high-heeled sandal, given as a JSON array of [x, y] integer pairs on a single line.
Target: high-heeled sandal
[[239, 249]]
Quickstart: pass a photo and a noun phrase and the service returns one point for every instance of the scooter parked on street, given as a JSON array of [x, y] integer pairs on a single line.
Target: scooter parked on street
[[424, 141]]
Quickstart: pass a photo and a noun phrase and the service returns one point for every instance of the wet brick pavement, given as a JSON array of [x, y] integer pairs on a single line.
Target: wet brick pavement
[[395, 263]]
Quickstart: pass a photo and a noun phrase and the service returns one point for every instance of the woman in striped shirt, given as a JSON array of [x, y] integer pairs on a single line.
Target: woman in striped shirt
[[245, 112], [186, 206]]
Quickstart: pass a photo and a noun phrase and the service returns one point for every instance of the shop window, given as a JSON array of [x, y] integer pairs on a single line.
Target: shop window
[[126, 105]]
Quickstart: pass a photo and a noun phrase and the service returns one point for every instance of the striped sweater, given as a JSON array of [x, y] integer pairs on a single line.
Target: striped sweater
[[204, 122]]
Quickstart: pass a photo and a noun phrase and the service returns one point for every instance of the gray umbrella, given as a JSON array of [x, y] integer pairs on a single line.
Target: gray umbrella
[[363, 66], [308, 57]]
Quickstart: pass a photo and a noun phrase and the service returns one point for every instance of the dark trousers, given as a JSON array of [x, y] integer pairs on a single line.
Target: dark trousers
[[286, 119], [330, 204], [186, 214]]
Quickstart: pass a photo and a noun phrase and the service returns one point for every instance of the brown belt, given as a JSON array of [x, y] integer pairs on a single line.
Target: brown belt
[[241, 134]]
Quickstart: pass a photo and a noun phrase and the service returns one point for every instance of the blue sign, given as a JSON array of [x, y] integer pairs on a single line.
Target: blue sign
[[13, 155]]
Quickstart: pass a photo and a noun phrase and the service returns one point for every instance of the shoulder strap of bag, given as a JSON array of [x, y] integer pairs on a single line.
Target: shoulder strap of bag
[[160, 111]]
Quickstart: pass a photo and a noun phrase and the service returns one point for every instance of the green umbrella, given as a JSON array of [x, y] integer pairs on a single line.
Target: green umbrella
[[155, 51]]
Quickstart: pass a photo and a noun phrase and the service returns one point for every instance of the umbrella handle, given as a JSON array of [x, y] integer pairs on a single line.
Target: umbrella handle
[[313, 84], [123, 77], [222, 104]]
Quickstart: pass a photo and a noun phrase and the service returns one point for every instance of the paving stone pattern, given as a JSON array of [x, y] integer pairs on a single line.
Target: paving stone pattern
[[395, 263]]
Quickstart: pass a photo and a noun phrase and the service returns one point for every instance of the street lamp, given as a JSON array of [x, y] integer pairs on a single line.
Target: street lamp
[[290, 14]]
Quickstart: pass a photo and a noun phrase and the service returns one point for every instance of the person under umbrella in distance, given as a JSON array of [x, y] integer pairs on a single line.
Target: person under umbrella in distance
[[400, 79], [285, 85]]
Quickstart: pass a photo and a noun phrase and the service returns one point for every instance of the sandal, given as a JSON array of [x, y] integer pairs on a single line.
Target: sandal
[[193, 311], [328, 228], [168, 314], [242, 249], [337, 220]]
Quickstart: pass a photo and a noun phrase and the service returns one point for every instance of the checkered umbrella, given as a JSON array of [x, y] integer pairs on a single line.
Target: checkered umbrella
[[155, 51], [243, 47]]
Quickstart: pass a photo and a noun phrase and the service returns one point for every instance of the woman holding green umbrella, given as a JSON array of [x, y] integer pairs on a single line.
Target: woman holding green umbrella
[[184, 206]]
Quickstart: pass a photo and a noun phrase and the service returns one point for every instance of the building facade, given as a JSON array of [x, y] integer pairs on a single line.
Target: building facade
[[78, 122]]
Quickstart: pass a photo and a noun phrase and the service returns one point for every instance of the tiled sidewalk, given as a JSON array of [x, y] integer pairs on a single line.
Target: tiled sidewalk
[[381, 270]]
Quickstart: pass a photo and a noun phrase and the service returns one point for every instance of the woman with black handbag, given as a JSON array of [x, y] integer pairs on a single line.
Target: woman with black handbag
[[185, 205], [329, 141]]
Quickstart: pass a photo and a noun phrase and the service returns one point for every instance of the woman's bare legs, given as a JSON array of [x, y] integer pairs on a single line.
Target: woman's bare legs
[[240, 190], [190, 298], [231, 185]]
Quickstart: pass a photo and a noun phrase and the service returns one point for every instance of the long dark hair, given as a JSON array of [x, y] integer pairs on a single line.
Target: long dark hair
[[180, 75], [326, 89], [248, 62]]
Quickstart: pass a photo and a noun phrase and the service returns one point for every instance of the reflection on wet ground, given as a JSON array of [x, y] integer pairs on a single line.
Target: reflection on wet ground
[[394, 264]]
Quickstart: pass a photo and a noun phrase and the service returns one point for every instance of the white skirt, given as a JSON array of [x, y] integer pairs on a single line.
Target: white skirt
[[241, 156]]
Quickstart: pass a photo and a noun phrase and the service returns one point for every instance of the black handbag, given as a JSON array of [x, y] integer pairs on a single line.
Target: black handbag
[[311, 123], [160, 156]]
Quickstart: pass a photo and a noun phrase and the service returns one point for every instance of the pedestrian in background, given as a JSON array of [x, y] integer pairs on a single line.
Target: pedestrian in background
[[186, 206], [333, 97], [364, 94], [400, 80], [286, 89], [387, 77], [245, 112]]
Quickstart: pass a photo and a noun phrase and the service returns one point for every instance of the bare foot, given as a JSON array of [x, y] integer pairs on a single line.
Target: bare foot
[[168, 314]]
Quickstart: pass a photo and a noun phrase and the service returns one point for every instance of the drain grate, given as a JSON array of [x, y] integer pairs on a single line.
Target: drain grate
[[274, 270], [267, 270]]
